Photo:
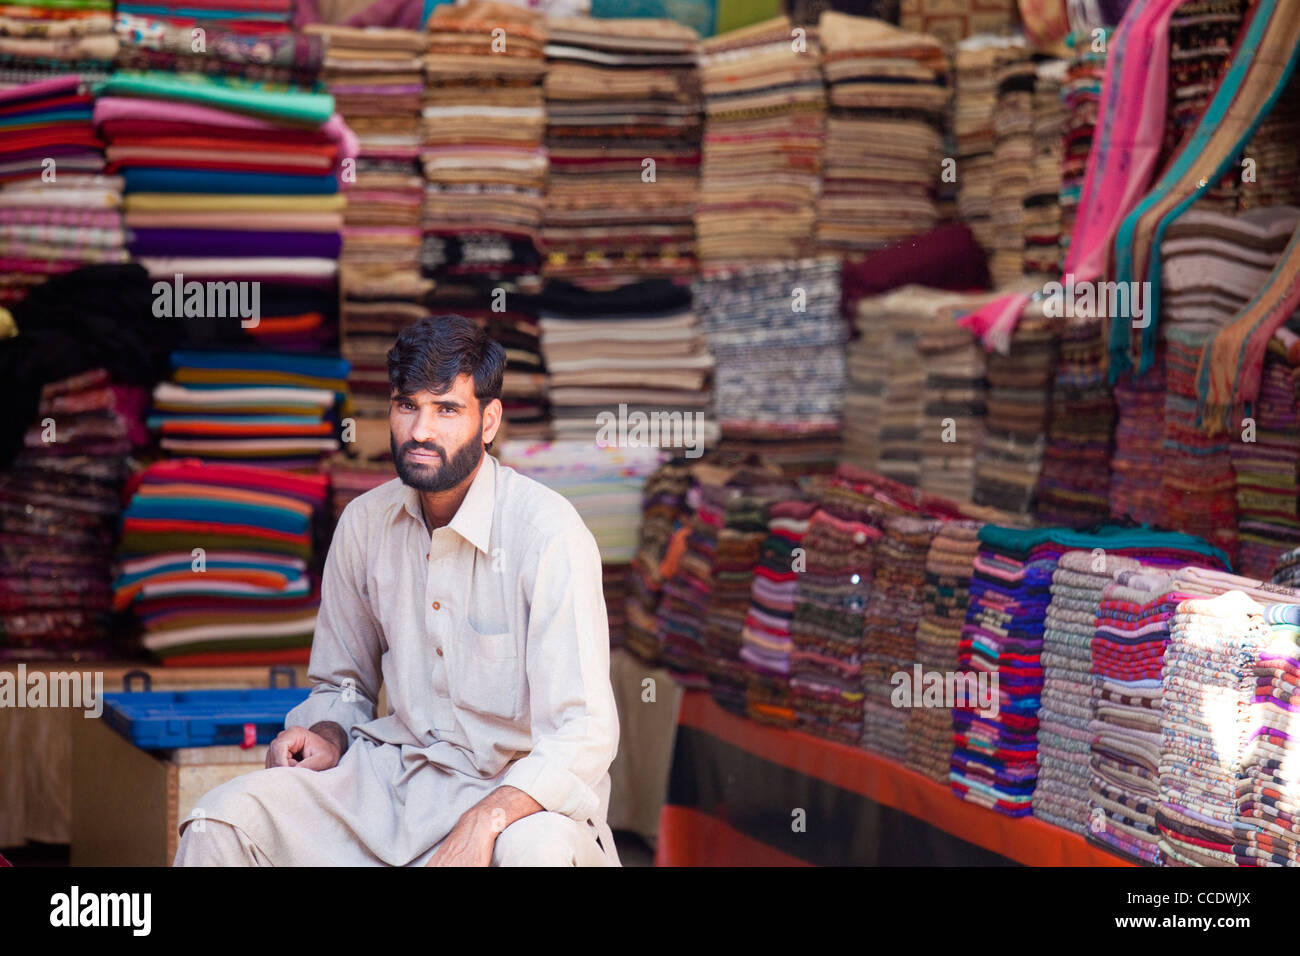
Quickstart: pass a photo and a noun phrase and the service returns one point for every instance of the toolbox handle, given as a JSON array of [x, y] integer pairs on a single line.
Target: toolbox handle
[[287, 671], [144, 675]]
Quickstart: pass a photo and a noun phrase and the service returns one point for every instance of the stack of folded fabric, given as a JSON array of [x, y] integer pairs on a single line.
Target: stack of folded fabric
[[1138, 461], [1074, 484], [230, 183], [1081, 95], [1065, 734], [1266, 468], [1275, 152], [867, 374], [663, 503], [884, 143], [602, 484], [614, 587], [248, 39], [827, 627], [1041, 216], [45, 39], [1019, 384], [57, 210], [634, 357], [683, 607], [1287, 570], [59, 509], [889, 642], [902, 416], [948, 566], [216, 562], [994, 754], [1013, 161], [375, 76], [623, 138], [271, 409], [764, 109], [974, 103], [1209, 686], [744, 528], [776, 337], [352, 477], [1266, 831], [484, 149], [1129, 641], [952, 22], [1213, 263], [767, 641]]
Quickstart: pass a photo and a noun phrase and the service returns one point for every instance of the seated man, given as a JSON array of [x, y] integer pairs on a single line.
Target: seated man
[[474, 595]]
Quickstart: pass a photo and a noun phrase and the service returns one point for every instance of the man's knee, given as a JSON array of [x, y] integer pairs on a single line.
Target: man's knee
[[547, 839], [213, 843]]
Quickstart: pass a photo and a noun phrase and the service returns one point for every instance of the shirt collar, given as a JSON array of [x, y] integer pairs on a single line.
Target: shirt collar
[[473, 519]]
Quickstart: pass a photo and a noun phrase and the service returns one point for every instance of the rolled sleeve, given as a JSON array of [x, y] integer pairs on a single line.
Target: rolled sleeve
[[345, 651], [571, 703]]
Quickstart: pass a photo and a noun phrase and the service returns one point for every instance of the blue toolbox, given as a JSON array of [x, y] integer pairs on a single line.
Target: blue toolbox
[[201, 718]]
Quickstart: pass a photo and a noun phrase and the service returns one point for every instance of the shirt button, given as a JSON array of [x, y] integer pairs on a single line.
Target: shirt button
[[440, 652], [437, 606]]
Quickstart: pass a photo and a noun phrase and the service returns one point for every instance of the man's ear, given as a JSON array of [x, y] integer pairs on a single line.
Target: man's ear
[[492, 414]]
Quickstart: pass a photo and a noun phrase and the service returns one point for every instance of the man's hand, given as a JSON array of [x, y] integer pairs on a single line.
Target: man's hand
[[317, 749], [472, 839]]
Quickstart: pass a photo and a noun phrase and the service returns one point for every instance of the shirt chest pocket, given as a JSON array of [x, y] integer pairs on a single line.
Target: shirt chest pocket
[[485, 674]]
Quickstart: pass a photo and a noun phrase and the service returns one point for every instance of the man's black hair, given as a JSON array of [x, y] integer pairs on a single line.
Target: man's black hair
[[435, 350]]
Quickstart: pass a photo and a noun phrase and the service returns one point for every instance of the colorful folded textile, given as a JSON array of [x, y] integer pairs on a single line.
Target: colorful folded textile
[[663, 512]]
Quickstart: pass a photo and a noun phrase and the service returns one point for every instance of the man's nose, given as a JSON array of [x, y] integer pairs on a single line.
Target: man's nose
[[425, 428]]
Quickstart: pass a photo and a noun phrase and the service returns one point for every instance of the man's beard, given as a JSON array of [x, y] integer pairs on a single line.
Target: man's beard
[[447, 475]]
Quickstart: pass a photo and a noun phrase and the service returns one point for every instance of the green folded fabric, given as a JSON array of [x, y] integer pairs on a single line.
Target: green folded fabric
[[310, 108], [70, 4], [1109, 536]]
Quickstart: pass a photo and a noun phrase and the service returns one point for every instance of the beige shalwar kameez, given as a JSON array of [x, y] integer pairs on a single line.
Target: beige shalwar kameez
[[492, 640]]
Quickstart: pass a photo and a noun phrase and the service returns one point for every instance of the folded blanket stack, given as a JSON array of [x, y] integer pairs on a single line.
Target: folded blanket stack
[[1213, 263], [884, 143], [1137, 465], [948, 565], [889, 641], [1266, 831], [663, 508], [744, 528], [1081, 100], [44, 39], [1074, 484], [277, 410], [623, 137], [1041, 215], [1287, 570], [232, 198], [994, 756], [1013, 160], [827, 627], [765, 113], [766, 638], [58, 211], [602, 484], [1275, 154], [776, 337], [59, 509], [627, 366], [1064, 733], [683, 607], [484, 148], [248, 39], [975, 64], [1019, 383], [216, 562], [1209, 687], [352, 477], [1266, 468]]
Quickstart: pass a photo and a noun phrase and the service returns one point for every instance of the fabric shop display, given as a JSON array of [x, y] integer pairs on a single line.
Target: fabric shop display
[[58, 211], [953, 22], [602, 484], [46, 39], [1137, 466], [59, 508], [976, 65], [1041, 216], [663, 510], [216, 562], [776, 338], [764, 128], [351, 478], [266, 408], [484, 128], [623, 139], [1013, 160], [887, 90], [766, 638]]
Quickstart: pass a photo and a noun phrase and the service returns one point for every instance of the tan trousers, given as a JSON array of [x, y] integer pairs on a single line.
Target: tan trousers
[[539, 839]]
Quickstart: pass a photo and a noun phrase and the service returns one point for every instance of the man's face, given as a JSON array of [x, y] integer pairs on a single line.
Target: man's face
[[437, 440]]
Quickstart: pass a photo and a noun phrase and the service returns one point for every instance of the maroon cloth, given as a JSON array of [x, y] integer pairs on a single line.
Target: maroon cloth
[[397, 14], [946, 257], [4, 862]]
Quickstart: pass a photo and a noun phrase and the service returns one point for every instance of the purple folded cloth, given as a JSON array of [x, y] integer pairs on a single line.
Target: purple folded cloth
[[229, 242]]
